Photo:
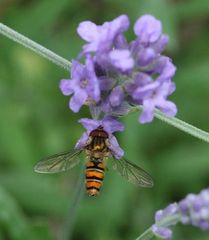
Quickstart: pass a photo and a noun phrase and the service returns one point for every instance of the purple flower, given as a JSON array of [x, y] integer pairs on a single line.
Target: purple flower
[[156, 95], [150, 42], [83, 85], [141, 81], [121, 59], [119, 75], [145, 56], [162, 232], [151, 94], [116, 96], [165, 68], [103, 36], [148, 29], [164, 219], [193, 210], [110, 125]]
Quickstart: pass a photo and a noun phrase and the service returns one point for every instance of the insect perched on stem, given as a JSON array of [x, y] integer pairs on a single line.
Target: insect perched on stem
[[97, 151]]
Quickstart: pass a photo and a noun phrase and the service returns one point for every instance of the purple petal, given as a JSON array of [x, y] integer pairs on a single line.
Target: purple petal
[[120, 24], [105, 105], [93, 84], [89, 124], [106, 83], [116, 96], [88, 31], [148, 29], [184, 206], [77, 70], [115, 148], [121, 59], [168, 71], [146, 56], [165, 68], [81, 143], [147, 114], [77, 100], [205, 196], [158, 215], [140, 80], [112, 125], [145, 91], [161, 43], [203, 224], [121, 42], [162, 232], [171, 209], [168, 107], [66, 87]]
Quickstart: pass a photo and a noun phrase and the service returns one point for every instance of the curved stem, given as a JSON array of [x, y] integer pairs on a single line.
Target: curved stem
[[28, 43], [166, 222], [71, 214]]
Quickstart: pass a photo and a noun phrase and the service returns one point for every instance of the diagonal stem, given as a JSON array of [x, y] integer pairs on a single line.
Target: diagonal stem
[[177, 123], [184, 126], [37, 48], [147, 235]]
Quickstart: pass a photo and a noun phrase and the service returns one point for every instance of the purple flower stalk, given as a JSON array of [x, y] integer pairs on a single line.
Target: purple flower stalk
[[193, 210], [117, 74]]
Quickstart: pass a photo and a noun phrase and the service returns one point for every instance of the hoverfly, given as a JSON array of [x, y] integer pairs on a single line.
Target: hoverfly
[[97, 151]]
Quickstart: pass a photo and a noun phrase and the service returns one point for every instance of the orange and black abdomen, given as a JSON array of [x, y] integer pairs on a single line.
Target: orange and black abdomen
[[94, 176]]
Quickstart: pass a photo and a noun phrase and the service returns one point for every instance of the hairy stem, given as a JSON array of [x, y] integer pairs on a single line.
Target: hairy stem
[[176, 122], [37, 48], [185, 127]]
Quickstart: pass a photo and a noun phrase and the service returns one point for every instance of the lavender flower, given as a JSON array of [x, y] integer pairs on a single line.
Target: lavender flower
[[193, 210], [110, 125], [118, 74], [102, 37], [122, 60], [116, 96], [148, 29], [84, 85]]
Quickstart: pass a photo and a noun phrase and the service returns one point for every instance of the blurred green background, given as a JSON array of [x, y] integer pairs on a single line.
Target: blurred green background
[[35, 122]]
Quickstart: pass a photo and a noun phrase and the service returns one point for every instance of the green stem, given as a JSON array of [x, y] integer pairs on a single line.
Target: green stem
[[148, 234], [166, 222], [186, 127], [37, 48], [183, 126]]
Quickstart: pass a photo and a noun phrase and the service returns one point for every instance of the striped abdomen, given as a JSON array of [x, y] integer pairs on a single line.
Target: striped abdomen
[[94, 176]]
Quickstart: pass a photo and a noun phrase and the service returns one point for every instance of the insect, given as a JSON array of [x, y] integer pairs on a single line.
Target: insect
[[97, 152]]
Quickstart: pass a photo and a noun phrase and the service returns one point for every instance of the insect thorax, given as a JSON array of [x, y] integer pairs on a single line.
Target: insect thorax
[[97, 144]]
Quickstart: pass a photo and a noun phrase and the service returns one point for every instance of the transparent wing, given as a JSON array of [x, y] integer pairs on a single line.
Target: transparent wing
[[132, 172], [58, 162]]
